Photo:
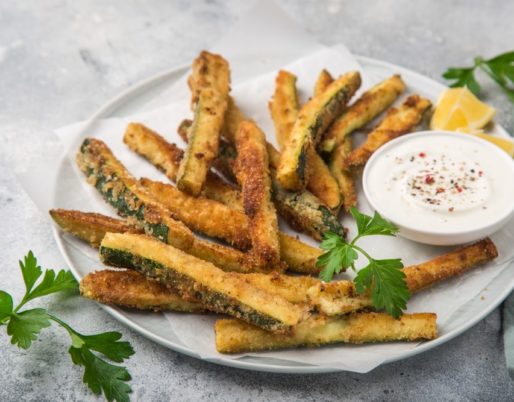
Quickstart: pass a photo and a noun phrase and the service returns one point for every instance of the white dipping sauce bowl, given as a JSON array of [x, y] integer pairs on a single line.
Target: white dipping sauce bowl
[[476, 223]]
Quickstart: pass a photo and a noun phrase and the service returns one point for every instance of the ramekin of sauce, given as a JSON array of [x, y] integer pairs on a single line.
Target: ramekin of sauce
[[441, 188]]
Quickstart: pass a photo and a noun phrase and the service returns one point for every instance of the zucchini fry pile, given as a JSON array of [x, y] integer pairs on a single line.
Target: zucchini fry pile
[[230, 184]]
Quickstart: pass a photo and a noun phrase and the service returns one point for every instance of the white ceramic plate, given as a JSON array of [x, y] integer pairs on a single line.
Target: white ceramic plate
[[156, 327]]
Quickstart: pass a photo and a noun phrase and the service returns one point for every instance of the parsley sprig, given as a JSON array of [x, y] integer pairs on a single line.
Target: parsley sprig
[[25, 326], [499, 68], [383, 279]]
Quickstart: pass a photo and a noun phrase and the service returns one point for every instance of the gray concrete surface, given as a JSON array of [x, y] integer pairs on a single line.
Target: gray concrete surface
[[61, 60]]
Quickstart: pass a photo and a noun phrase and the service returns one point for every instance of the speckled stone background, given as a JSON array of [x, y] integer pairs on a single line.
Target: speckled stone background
[[61, 60]]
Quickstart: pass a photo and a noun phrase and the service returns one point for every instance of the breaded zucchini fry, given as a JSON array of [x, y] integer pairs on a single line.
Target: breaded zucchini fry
[[198, 280], [234, 336], [340, 297], [395, 123], [323, 81], [202, 214], [90, 226], [252, 170], [210, 84], [131, 289], [131, 200], [366, 108], [449, 265], [284, 106], [166, 157], [344, 177], [304, 213], [302, 210], [312, 121], [153, 147]]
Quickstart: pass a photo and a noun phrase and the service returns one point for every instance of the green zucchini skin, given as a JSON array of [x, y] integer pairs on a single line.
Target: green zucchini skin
[[304, 212], [118, 188], [189, 289]]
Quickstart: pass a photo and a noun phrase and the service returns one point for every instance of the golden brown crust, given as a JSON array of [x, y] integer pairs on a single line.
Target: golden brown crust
[[252, 169], [210, 85], [133, 290], [202, 214], [209, 71], [234, 336], [366, 108], [284, 106], [396, 122], [147, 143], [449, 265], [344, 177], [90, 226], [323, 81]]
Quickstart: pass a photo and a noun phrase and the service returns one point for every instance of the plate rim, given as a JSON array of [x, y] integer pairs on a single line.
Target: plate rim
[[144, 85]]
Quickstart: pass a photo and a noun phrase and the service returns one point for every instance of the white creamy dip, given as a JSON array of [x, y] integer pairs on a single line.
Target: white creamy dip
[[441, 182]]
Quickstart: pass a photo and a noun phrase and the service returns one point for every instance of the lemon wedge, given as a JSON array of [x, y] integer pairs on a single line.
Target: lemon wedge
[[459, 110]]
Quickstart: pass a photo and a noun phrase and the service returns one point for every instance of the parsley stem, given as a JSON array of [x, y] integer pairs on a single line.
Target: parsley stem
[[355, 247]]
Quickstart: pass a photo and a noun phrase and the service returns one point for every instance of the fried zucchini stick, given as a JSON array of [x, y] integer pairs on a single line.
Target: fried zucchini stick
[[340, 297], [166, 157], [121, 190], [323, 81], [234, 336], [366, 108], [345, 179], [198, 280], [202, 214], [284, 111], [210, 85], [395, 123], [90, 226], [131, 289], [313, 119], [252, 170], [284, 106]]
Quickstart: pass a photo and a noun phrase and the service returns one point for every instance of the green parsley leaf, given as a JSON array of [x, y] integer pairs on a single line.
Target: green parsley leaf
[[52, 283], [500, 69], [336, 260], [102, 376], [24, 327], [376, 225], [464, 77], [6, 305], [30, 270], [109, 345], [385, 280]]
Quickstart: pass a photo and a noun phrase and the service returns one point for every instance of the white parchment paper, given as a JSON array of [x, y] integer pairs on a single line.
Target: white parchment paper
[[278, 48]]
